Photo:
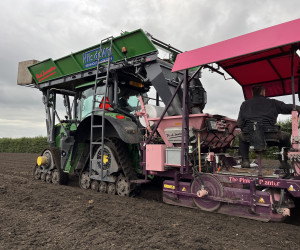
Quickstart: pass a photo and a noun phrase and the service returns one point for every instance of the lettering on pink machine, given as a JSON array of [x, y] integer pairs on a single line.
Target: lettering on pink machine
[[269, 183], [45, 74], [239, 180], [244, 180]]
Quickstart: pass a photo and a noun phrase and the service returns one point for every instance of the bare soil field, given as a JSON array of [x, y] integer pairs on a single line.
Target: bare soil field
[[38, 215]]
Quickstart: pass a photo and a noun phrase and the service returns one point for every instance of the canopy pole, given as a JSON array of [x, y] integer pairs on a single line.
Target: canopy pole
[[185, 124], [293, 76]]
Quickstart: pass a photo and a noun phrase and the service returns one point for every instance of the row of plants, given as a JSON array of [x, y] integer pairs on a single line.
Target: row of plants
[[23, 145], [37, 144]]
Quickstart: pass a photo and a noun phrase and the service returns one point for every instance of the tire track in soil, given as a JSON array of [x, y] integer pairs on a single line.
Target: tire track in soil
[[38, 215]]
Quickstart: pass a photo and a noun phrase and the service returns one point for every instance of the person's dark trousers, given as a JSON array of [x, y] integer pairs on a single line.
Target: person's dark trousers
[[282, 137]]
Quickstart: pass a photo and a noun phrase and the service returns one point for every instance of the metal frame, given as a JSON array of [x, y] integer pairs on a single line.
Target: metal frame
[[51, 112]]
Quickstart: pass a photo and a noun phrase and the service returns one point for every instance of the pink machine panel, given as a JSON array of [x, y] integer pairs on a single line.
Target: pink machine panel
[[155, 157]]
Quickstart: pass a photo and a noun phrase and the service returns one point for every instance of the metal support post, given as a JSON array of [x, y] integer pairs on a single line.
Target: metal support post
[[185, 117], [259, 164], [293, 76], [52, 136], [253, 196]]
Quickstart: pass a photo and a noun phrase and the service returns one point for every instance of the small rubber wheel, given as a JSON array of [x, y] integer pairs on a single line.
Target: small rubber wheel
[[43, 176], [36, 172], [123, 186], [103, 187], [111, 188], [95, 185], [85, 180], [55, 177], [49, 177]]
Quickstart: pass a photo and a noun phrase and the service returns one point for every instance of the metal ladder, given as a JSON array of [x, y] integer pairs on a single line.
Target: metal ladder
[[94, 109]]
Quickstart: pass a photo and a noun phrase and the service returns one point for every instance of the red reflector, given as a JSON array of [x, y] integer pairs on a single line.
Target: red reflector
[[120, 117], [107, 105]]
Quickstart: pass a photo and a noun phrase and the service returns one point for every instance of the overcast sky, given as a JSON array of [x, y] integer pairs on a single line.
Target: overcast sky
[[40, 29]]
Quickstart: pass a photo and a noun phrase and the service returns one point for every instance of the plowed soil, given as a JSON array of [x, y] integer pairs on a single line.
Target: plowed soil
[[38, 215]]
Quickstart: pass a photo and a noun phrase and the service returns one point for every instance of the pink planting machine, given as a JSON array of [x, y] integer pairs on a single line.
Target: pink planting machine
[[191, 154]]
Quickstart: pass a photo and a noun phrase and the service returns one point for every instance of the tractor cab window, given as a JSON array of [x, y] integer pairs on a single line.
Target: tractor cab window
[[128, 100], [86, 101]]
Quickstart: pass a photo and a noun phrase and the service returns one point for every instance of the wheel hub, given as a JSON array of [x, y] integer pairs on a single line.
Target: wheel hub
[[213, 187], [106, 158]]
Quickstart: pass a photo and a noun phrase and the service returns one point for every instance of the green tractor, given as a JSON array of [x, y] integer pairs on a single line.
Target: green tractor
[[102, 88]]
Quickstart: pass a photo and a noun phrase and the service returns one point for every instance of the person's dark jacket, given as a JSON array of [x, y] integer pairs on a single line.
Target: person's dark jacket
[[261, 108]]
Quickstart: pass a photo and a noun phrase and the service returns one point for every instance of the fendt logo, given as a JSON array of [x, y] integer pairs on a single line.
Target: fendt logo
[[45, 74], [90, 58]]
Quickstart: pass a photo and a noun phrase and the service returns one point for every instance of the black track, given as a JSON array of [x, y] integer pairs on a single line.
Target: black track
[[120, 148], [63, 177]]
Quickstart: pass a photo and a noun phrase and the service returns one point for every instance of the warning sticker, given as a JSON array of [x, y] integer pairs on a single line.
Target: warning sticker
[[169, 186], [261, 200], [291, 188]]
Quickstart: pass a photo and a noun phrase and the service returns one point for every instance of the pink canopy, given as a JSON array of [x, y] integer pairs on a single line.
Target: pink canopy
[[261, 57]]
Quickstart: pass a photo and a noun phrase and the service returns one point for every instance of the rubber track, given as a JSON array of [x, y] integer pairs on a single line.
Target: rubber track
[[63, 177], [124, 161]]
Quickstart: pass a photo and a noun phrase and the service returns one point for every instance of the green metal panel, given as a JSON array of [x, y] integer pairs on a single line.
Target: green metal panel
[[70, 168], [73, 127], [45, 71], [136, 42]]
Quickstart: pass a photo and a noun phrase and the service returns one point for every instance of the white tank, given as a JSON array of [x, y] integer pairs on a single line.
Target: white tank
[[152, 112]]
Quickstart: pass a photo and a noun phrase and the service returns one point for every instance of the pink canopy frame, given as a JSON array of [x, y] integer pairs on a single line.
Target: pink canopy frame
[[261, 57]]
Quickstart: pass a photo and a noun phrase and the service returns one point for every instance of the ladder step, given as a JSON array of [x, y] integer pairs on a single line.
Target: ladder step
[[100, 77], [96, 143], [97, 126], [95, 110], [100, 69]]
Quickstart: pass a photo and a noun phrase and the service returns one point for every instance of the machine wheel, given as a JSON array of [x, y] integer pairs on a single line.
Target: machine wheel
[[103, 187], [84, 180], [43, 176], [111, 188], [213, 187], [123, 186], [49, 177], [37, 172], [95, 185], [53, 163]]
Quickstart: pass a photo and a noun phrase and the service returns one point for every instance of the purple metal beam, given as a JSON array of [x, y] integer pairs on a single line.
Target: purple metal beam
[[293, 76], [185, 117]]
